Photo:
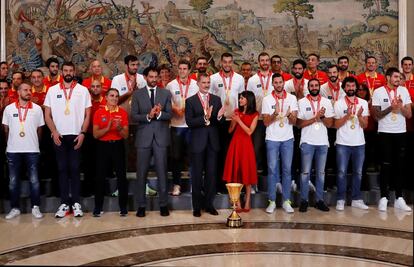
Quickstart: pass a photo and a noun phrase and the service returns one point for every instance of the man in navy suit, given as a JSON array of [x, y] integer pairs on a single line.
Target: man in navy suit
[[203, 113], [151, 110]]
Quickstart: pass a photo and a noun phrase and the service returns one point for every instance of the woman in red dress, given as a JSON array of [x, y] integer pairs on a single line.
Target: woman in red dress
[[240, 166]]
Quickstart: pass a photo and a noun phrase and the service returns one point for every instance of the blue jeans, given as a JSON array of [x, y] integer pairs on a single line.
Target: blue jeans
[[343, 154], [276, 152], [308, 153], [15, 162]]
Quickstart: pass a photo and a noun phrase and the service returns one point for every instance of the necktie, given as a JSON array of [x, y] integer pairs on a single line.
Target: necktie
[[205, 99], [152, 97]]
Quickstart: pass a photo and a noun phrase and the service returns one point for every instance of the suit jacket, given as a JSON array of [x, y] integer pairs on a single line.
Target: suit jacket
[[201, 134], [157, 129]]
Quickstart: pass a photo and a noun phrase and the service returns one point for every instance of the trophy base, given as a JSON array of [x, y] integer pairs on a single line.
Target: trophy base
[[234, 220]]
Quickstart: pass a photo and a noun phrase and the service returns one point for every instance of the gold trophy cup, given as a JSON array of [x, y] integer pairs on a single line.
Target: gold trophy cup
[[234, 220]]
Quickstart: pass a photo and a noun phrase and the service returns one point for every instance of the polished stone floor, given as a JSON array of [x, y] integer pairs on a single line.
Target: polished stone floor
[[350, 238]]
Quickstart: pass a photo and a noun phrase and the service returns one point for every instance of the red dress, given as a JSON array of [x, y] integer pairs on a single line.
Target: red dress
[[240, 166]]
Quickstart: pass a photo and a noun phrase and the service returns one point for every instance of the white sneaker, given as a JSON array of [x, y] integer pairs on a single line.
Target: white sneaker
[[382, 204], [340, 205], [13, 214], [400, 204], [77, 210], [293, 186], [62, 211], [287, 206], [311, 187], [176, 190], [36, 212], [359, 204], [271, 208], [279, 188]]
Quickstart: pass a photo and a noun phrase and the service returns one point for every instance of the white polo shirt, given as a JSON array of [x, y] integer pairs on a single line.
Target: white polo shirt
[[176, 99], [316, 133], [346, 135], [274, 132], [386, 124], [119, 82], [34, 119], [290, 87], [256, 87], [70, 124], [326, 91], [218, 88]]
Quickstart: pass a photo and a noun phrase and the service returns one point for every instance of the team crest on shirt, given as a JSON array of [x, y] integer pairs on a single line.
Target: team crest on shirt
[[177, 92], [329, 97], [123, 88], [220, 85], [259, 86], [386, 100], [274, 107], [15, 115], [308, 109], [59, 96], [103, 119], [345, 111]]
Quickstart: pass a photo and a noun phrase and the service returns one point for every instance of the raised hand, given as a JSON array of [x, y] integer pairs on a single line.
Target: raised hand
[[360, 110], [221, 111]]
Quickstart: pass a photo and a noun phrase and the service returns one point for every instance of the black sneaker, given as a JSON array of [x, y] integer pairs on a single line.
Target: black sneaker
[[320, 205], [97, 213], [303, 206]]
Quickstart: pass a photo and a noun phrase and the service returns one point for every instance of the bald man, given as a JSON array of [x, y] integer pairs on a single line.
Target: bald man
[[95, 69]]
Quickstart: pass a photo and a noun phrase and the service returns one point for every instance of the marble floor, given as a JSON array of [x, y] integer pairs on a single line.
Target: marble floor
[[350, 238]]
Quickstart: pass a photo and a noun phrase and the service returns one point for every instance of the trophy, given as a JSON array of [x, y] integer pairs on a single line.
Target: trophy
[[234, 189]]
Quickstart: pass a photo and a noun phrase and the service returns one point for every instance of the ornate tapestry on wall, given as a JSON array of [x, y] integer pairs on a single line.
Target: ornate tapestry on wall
[[162, 31]]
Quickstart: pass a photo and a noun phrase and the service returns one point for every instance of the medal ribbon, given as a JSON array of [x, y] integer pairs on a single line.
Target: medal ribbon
[[269, 77], [205, 105], [228, 89], [351, 104], [68, 97], [334, 90], [276, 97], [318, 107], [22, 120]]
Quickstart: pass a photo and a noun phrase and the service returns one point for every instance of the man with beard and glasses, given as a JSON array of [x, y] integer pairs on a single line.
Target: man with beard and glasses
[[314, 117], [200, 67], [127, 83], [17, 79], [95, 69], [53, 78], [151, 110], [279, 115], [333, 91], [392, 106], [276, 63], [180, 88], [351, 117], [343, 64], [67, 114], [246, 72], [261, 85], [22, 122], [227, 85], [371, 78], [312, 70]]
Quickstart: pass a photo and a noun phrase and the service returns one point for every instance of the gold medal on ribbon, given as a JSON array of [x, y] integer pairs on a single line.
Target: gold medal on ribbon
[[183, 102], [393, 116], [22, 118], [317, 126], [281, 123], [353, 122], [22, 134]]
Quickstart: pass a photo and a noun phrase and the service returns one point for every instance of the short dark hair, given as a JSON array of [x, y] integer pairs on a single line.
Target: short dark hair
[[349, 79], [277, 75], [262, 54], [342, 57], [148, 69], [314, 79], [275, 56], [364, 87], [130, 58], [51, 60], [18, 72], [390, 71], [246, 63], [201, 58], [4, 63], [226, 54], [26, 83], [251, 102], [4, 81], [407, 58], [36, 70], [368, 57], [333, 66], [68, 64], [164, 67], [184, 62], [313, 54], [202, 74], [111, 89], [299, 61]]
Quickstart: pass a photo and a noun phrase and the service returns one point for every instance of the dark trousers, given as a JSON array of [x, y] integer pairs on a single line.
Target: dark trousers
[[297, 158], [330, 180], [408, 171], [180, 145], [143, 163], [89, 160], [4, 181], [392, 163], [48, 166], [258, 137], [225, 139], [16, 161], [108, 152], [68, 161], [204, 162]]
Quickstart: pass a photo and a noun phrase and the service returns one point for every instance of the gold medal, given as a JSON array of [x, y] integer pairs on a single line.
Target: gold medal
[[393, 117], [183, 102], [67, 111], [208, 123], [353, 122], [317, 126], [353, 126], [281, 124], [22, 134]]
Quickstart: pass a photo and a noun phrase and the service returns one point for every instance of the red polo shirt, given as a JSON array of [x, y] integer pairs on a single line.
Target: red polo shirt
[[96, 105], [39, 97], [49, 83], [102, 117], [320, 75], [372, 83], [106, 83]]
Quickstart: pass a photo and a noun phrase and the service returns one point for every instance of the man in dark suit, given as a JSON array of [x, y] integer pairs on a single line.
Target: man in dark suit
[[203, 113], [151, 110]]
